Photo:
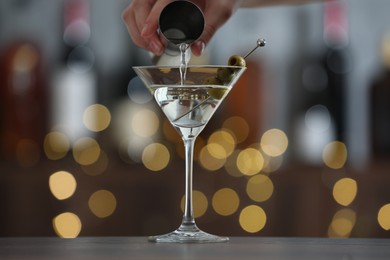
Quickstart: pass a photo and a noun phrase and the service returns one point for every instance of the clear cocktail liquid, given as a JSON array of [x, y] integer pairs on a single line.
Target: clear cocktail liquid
[[187, 106]]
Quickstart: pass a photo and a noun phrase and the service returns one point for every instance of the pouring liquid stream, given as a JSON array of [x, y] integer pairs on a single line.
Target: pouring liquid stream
[[184, 49], [184, 59]]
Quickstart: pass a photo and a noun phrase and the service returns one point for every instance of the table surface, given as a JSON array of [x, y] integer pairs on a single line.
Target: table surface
[[237, 248]]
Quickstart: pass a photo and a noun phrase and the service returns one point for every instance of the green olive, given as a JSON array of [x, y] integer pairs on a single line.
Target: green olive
[[212, 81], [237, 60], [225, 75], [216, 93]]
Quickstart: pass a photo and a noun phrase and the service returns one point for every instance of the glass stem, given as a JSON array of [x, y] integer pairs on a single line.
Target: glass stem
[[188, 217]]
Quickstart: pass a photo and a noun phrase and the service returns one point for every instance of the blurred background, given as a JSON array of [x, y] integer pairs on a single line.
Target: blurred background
[[300, 146]]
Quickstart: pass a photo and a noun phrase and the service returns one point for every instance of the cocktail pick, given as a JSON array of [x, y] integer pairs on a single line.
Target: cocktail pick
[[259, 43]]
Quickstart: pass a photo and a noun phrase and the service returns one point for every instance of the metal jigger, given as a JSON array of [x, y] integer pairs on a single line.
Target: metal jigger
[[179, 22]]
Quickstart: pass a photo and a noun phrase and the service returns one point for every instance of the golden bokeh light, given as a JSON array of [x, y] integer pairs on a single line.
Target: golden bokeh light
[[334, 155], [225, 201], [145, 123], [199, 144], [56, 145], [345, 191], [155, 157], [259, 188], [274, 142], [250, 161], [272, 164], [96, 117], [238, 126], [225, 140], [86, 151], [252, 219], [67, 225], [62, 185], [97, 167], [200, 203], [231, 165], [134, 147], [216, 150], [102, 203], [384, 217], [210, 162], [342, 223]]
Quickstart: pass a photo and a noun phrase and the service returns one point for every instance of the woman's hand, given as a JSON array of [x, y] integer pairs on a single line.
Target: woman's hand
[[141, 18]]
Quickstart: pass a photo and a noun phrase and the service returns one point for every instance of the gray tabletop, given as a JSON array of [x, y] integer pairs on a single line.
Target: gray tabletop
[[237, 248]]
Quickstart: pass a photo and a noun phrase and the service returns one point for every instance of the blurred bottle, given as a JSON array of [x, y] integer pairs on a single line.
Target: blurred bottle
[[74, 85], [22, 103], [380, 106], [337, 61], [322, 86]]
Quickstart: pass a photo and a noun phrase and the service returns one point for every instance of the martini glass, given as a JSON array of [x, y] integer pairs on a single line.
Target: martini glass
[[189, 104]]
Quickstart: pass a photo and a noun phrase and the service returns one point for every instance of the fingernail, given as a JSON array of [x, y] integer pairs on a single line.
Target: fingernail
[[155, 48], [200, 45], [145, 30]]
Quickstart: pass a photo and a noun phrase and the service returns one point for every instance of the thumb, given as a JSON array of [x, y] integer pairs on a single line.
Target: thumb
[[198, 46]]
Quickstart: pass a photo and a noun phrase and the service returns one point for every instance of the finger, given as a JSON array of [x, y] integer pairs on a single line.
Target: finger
[[151, 21], [135, 17], [149, 31], [197, 47], [130, 19]]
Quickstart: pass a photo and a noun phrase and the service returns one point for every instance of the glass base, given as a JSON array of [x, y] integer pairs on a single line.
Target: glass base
[[194, 235]]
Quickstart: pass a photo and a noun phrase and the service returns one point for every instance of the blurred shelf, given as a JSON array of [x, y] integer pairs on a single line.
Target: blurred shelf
[[302, 203]]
